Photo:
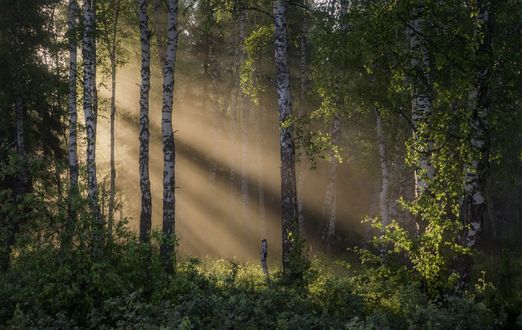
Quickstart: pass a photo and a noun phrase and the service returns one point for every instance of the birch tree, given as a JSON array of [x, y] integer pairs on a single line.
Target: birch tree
[[421, 106], [90, 123], [72, 109], [474, 206], [290, 224], [146, 198], [169, 154]]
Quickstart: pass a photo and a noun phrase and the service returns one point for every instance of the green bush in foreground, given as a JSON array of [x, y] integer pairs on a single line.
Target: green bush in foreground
[[46, 288]]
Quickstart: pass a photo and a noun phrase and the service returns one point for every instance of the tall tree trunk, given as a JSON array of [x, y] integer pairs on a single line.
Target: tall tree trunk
[[244, 112], [90, 125], [422, 107], [302, 169], [146, 198], [290, 224], [385, 173], [73, 117], [116, 4], [94, 66], [474, 206], [474, 199], [169, 152]]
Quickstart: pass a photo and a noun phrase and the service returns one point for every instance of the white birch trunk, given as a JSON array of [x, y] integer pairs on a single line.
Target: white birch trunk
[[73, 116], [94, 66], [422, 107], [146, 198], [474, 200], [290, 224], [169, 153], [90, 125]]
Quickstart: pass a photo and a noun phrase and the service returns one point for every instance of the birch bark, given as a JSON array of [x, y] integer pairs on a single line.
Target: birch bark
[[90, 124], [422, 107], [73, 115], [146, 198], [169, 152], [474, 204], [290, 224], [73, 119], [474, 200]]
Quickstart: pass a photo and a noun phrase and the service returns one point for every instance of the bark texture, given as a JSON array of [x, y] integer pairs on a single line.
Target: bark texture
[[73, 115], [290, 224], [90, 124], [474, 200], [169, 153], [474, 203], [146, 198], [422, 107]]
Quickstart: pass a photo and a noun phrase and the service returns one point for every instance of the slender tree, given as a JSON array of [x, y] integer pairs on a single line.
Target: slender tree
[[73, 114], [90, 123], [146, 199], [290, 223], [474, 206], [169, 152], [421, 106]]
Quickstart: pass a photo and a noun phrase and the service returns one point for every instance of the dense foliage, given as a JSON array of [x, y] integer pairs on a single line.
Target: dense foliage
[[421, 96], [47, 288]]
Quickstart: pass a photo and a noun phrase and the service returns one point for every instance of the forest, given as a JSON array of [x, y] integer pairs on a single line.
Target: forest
[[260, 164]]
